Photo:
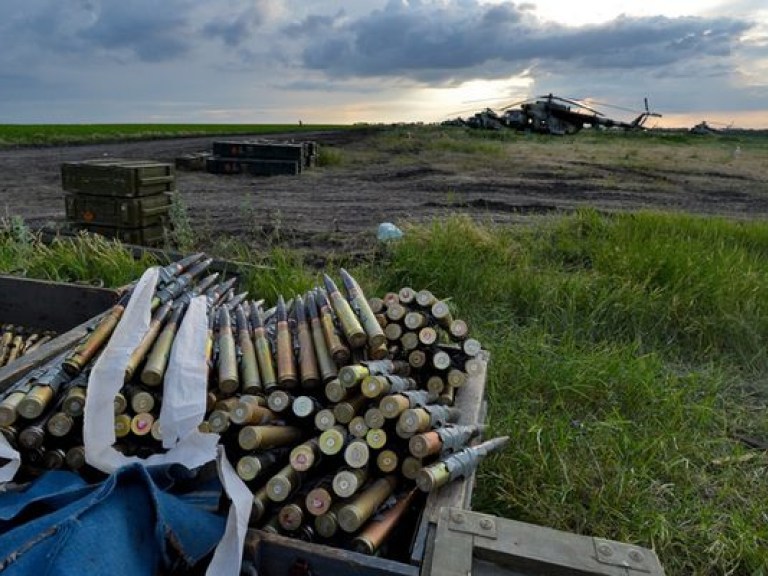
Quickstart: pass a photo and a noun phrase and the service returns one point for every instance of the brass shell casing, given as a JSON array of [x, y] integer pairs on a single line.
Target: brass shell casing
[[286, 362], [35, 402], [263, 437], [353, 515]]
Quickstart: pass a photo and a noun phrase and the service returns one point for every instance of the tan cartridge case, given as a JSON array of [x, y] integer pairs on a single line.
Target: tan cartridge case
[[261, 502], [155, 325], [442, 314], [9, 407], [141, 424], [406, 295], [333, 440], [346, 410], [376, 438], [348, 482], [370, 324], [264, 358], [387, 461], [74, 401], [35, 402], [376, 532], [250, 409], [75, 457], [283, 484], [357, 427], [60, 424], [279, 401], [327, 525], [229, 380], [320, 498], [93, 342], [357, 454], [157, 359], [325, 361], [324, 419], [348, 320], [458, 330], [263, 437], [249, 367], [353, 515], [305, 456], [308, 368], [335, 391], [338, 350], [286, 362]]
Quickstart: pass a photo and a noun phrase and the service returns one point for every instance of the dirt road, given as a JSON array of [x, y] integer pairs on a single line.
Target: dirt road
[[403, 175]]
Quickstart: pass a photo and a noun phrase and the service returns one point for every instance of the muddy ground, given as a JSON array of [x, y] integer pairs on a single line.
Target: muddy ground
[[403, 176]]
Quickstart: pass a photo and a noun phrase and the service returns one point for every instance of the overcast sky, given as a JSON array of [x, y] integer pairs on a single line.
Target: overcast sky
[[266, 61]]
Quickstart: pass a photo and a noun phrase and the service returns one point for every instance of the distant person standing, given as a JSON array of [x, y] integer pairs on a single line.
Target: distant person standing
[[300, 124]]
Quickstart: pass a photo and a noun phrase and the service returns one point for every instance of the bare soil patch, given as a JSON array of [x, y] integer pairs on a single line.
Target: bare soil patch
[[402, 176]]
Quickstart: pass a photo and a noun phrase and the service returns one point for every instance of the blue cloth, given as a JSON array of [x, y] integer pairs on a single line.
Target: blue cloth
[[126, 524]]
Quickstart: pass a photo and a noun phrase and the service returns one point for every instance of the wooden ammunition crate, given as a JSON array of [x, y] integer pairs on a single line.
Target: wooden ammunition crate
[[139, 212], [148, 236], [44, 305], [116, 177], [252, 167], [261, 150], [275, 555]]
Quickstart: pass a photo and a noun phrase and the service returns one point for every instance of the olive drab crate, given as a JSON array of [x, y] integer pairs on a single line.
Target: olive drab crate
[[125, 199], [261, 158]]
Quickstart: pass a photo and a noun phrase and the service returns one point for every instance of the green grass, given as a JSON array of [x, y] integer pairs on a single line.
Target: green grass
[[49, 134], [626, 354]]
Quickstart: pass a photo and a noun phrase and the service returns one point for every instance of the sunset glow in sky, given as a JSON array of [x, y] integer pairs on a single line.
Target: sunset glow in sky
[[266, 61]]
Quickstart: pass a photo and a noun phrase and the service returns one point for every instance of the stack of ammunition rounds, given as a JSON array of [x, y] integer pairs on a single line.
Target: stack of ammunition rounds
[[336, 410], [16, 341]]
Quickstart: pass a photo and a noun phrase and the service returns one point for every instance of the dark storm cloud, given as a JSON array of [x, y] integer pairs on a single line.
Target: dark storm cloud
[[451, 39], [153, 31], [234, 30]]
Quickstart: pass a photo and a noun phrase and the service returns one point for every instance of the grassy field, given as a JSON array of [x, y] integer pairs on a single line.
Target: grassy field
[[50, 134], [629, 353]]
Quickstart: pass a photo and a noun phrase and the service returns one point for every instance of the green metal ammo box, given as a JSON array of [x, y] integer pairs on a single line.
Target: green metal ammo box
[[116, 177], [141, 212], [125, 199]]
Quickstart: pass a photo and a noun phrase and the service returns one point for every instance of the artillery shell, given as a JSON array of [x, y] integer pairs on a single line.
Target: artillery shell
[[279, 401], [435, 384], [428, 336], [393, 406], [251, 410], [417, 359], [411, 467], [471, 347], [282, 484], [261, 502], [332, 440], [414, 420], [426, 444], [457, 378], [219, 421], [357, 427], [334, 391], [348, 482], [376, 438], [425, 298], [406, 295], [357, 454], [379, 529], [353, 515], [141, 424], [442, 314], [396, 312], [327, 525], [441, 361], [60, 424], [431, 477], [374, 418], [9, 408], [264, 437], [35, 402], [350, 376], [458, 330], [290, 516], [75, 458], [346, 410], [304, 406], [74, 402], [54, 459], [324, 419], [393, 332], [142, 401], [122, 425], [304, 456], [415, 321], [387, 461], [409, 341]]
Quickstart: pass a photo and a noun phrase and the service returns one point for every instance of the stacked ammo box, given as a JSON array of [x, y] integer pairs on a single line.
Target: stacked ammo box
[[261, 158], [124, 199]]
